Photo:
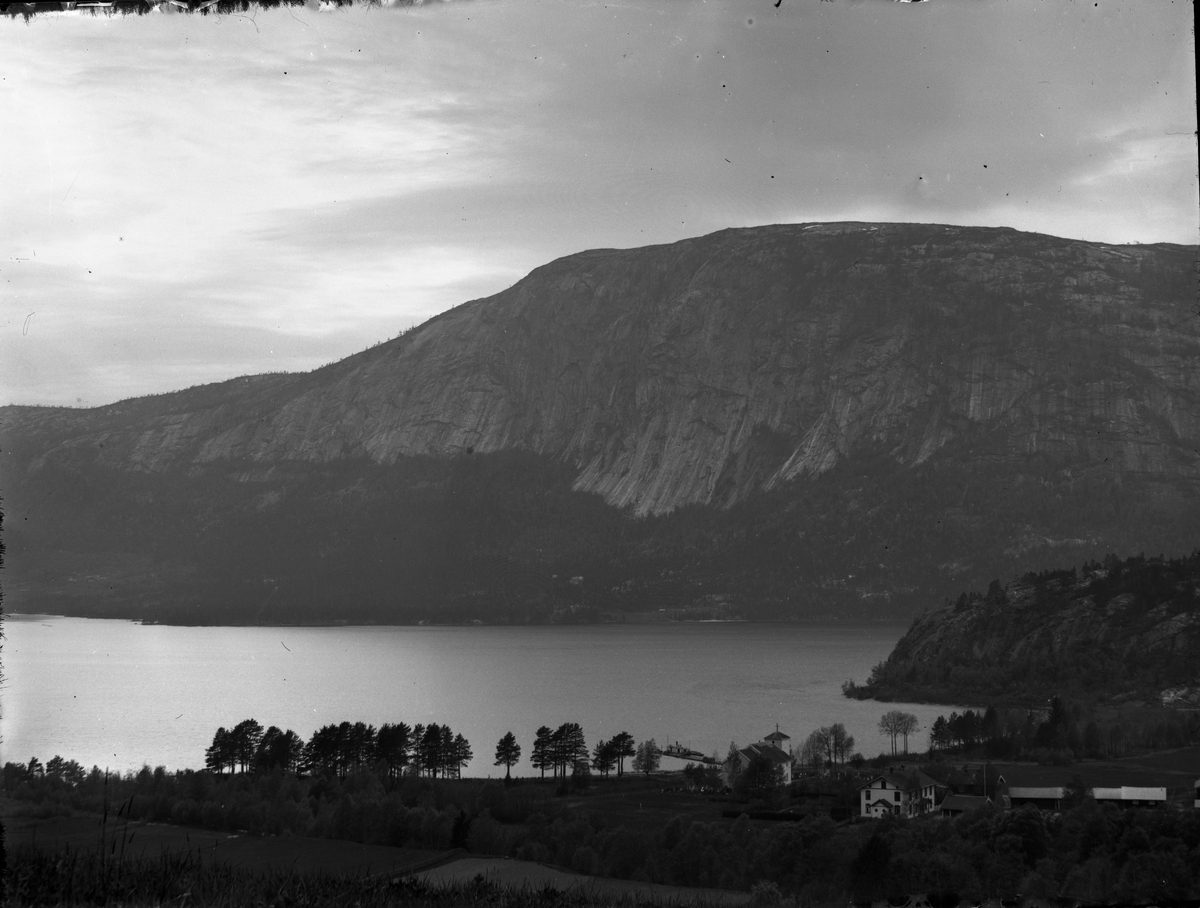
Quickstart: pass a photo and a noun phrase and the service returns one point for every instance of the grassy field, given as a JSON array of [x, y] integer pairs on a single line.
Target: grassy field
[[531, 877], [1173, 771], [40, 878], [1184, 762], [645, 804], [82, 844], [84, 835]]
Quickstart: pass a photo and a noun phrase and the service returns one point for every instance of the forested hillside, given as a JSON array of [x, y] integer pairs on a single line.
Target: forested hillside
[[1111, 631]]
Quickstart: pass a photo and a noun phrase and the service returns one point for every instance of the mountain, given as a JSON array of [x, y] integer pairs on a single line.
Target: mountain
[[1114, 630], [796, 420]]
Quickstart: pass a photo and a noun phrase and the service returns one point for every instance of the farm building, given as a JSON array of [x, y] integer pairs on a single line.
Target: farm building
[[1045, 797], [1040, 786], [1131, 796], [956, 804]]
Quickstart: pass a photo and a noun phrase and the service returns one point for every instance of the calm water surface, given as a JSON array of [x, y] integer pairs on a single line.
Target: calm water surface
[[117, 694]]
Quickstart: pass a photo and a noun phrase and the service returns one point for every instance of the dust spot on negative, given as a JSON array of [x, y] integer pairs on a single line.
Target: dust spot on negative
[[750, 22]]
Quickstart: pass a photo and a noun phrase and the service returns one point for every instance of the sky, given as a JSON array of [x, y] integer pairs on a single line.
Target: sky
[[187, 198]]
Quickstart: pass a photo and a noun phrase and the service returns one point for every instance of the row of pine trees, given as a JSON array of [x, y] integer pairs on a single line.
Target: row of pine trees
[[432, 750], [564, 750]]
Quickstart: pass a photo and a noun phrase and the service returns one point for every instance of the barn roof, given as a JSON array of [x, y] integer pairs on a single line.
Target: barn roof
[[964, 802], [1037, 792], [1129, 793]]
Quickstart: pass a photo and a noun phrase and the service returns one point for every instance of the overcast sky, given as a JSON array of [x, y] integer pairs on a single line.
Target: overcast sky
[[186, 198]]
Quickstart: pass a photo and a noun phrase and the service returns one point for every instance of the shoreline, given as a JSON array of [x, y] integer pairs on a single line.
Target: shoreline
[[651, 622]]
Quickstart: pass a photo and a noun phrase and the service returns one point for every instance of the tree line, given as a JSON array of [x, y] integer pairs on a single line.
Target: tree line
[[565, 750], [1064, 731], [431, 750]]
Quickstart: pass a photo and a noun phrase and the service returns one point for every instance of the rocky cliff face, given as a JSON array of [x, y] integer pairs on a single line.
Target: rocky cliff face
[[718, 369], [698, 372]]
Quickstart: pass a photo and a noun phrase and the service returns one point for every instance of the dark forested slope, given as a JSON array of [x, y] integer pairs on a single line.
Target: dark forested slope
[[1113, 631]]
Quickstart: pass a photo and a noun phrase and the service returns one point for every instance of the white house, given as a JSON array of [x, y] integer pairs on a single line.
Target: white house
[[906, 794]]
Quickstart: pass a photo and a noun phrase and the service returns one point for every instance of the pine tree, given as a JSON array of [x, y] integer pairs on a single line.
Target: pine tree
[[623, 747], [604, 757], [393, 747], [508, 752], [221, 752], [541, 758], [461, 754], [245, 737]]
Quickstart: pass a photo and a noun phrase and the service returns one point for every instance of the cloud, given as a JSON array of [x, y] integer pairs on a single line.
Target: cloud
[[312, 182]]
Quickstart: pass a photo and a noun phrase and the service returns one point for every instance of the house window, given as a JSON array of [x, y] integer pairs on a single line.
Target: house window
[[897, 796]]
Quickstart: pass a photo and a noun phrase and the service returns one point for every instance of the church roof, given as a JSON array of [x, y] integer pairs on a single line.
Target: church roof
[[769, 751]]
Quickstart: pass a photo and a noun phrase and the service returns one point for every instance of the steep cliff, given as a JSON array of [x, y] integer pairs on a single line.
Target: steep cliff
[[1120, 630], [954, 375]]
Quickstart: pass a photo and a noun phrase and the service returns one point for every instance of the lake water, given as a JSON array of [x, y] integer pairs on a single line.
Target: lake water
[[118, 694]]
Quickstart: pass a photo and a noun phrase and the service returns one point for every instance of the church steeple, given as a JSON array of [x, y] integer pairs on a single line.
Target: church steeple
[[777, 738]]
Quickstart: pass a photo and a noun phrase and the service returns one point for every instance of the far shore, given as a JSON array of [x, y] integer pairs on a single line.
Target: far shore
[[645, 618]]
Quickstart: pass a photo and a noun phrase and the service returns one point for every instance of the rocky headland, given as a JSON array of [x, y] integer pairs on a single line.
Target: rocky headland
[[1118, 631]]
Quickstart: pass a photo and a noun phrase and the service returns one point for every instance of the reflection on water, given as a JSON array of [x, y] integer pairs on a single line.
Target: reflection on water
[[118, 695]]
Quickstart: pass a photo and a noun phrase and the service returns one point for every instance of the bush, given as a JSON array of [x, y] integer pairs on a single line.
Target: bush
[[765, 894]]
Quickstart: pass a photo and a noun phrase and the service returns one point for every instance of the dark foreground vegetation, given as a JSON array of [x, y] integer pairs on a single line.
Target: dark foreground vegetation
[[633, 828], [1113, 631], [44, 878]]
